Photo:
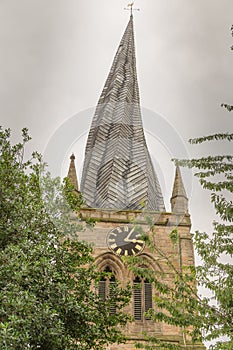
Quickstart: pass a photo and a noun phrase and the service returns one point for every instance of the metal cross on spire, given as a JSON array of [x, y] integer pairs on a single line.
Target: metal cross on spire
[[130, 7]]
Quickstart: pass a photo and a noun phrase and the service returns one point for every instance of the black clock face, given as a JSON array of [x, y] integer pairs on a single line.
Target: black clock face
[[125, 240]]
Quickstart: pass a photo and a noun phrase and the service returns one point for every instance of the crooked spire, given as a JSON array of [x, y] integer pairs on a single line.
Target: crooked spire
[[72, 173], [179, 199], [118, 172]]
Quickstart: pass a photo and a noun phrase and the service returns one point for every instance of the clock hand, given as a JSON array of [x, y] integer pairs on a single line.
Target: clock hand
[[127, 238], [134, 240], [137, 241]]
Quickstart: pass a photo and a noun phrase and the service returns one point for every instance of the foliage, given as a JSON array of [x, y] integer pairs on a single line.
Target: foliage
[[199, 318], [176, 300], [178, 303], [215, 174], [47, 280]]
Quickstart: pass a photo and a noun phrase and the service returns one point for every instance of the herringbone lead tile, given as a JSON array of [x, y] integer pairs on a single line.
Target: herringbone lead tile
[[118, 172]]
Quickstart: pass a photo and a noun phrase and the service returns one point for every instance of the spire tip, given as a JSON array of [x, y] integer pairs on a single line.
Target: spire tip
[[130, 7], [72, 157]]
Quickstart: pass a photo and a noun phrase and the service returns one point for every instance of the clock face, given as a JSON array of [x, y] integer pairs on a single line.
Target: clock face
[[125, 240]]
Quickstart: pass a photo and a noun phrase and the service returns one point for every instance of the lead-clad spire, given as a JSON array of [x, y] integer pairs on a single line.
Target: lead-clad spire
[[118, 172]]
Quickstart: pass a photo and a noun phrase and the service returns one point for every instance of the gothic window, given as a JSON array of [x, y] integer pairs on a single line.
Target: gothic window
[[106, 286], [142, 297]]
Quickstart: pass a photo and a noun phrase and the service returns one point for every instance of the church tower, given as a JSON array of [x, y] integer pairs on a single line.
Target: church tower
[[120, 187]]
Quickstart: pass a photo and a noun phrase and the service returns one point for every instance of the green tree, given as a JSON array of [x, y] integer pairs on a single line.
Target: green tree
[[215, 249], [47, 278], [200, 318]]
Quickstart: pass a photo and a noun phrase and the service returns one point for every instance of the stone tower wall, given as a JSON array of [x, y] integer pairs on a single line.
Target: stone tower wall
[[180, 254]]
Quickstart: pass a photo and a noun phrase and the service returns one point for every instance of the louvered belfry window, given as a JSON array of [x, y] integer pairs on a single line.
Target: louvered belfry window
[[142, 296], [102, 289], [147, 296], [112, 283], [137, 296], [106, 287]]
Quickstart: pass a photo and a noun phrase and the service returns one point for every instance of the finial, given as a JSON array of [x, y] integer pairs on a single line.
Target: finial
[[72, 173], [72, 157], [130, 7], [179, 200]]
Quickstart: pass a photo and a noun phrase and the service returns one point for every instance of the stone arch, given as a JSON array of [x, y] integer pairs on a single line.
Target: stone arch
[[114, 263], [149, 261]]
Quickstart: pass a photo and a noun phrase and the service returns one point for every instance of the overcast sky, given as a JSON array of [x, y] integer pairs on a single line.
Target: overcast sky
[[56, 54]]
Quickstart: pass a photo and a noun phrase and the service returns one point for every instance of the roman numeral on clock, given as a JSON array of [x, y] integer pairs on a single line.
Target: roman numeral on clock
[[119, 250], [138, 247]]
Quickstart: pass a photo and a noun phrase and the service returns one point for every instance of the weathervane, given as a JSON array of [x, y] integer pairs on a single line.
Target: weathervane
[[130, 7]]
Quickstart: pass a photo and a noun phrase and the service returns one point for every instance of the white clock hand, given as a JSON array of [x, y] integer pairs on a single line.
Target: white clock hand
[[127, 238]]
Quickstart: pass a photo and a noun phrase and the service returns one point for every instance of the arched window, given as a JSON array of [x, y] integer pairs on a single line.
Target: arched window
[[106, 288], [142, 298]]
